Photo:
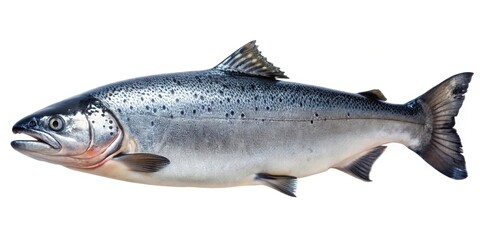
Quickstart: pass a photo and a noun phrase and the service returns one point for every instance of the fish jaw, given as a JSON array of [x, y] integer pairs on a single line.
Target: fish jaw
[[42, 142]]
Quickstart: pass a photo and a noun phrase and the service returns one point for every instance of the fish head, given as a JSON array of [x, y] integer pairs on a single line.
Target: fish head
[[80, 132]]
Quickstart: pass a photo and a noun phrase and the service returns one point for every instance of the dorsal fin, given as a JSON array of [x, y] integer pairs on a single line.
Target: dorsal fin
[[374, 94], [249, 60]]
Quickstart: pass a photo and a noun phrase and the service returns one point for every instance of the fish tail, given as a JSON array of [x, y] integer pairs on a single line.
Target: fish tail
[[442, 148]]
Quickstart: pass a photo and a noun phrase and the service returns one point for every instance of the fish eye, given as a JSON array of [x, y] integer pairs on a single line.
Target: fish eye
[[56, 123]]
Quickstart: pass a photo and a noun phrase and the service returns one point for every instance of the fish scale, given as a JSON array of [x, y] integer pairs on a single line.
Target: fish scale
[[216, 94], [237, 124]]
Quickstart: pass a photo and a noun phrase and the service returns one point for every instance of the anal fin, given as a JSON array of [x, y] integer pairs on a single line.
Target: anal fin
[[283, 183], [143, 162], [362, 166]]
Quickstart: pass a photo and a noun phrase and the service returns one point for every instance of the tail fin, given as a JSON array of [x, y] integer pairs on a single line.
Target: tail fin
[[443, 148]]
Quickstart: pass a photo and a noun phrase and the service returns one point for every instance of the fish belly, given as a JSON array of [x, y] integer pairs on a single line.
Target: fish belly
[[222, 153]]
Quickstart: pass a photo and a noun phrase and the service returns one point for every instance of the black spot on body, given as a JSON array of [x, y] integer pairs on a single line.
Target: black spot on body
[[311, 121], [164, 107], [194, 111], [151, 123], [228, 99], [119, 110], [147, 107], [110, 127], [209, 109], [177, 100], [232, 113], [242, 115], [201, 98], [182, 112]]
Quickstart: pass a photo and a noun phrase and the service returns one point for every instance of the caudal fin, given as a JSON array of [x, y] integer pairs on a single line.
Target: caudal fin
[[443, 148]]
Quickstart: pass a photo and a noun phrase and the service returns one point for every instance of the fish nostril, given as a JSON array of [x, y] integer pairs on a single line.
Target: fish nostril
[[32, 123]]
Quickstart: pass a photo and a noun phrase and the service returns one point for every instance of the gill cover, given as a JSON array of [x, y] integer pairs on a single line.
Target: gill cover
[[105, 134]]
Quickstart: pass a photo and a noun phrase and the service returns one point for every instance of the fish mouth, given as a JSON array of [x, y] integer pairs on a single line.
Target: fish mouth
[[41, 142]]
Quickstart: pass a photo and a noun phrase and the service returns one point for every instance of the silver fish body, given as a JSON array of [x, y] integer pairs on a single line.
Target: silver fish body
[[236, 125]]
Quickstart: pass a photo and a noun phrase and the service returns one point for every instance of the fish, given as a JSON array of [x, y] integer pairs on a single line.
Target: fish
[[239, 124]]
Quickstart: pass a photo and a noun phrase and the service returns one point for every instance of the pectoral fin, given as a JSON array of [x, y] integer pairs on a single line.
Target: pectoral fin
[[143, 162], [282, 183]]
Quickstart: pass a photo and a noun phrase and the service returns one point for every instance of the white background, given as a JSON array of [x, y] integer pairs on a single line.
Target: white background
[[52, 50]]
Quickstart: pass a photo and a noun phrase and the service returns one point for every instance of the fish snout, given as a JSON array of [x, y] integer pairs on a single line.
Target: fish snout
[[24, 124], [42, 141]]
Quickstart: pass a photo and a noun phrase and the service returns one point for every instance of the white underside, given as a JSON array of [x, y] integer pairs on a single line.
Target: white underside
[[232, 153]]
